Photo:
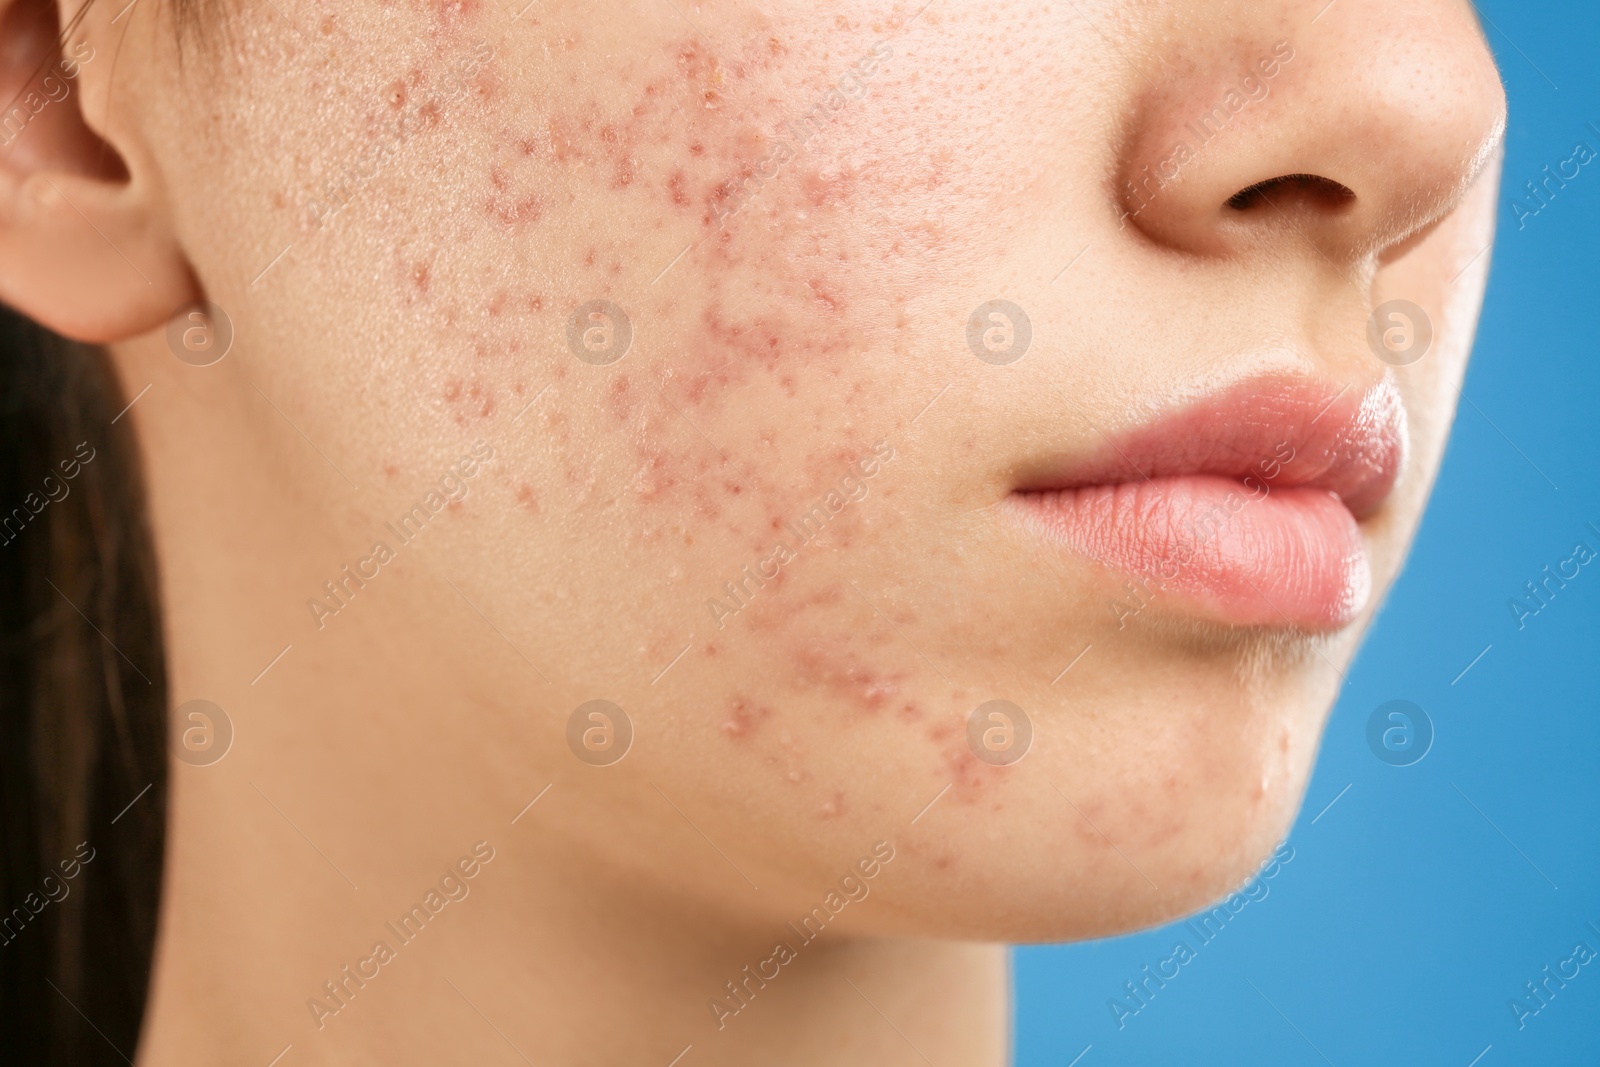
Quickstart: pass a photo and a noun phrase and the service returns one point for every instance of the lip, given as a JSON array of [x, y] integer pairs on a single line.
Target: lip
[[1242, 507]]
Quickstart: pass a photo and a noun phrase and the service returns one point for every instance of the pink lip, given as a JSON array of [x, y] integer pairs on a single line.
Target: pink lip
[[1242, 506]]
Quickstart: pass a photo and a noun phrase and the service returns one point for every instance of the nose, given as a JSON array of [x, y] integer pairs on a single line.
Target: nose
[[1349, 133]]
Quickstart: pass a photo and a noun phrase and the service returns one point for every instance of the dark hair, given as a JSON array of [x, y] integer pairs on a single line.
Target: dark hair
[[83, 768]]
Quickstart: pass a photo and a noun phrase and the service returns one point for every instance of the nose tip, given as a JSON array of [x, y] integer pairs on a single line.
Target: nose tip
[[1350, 138]]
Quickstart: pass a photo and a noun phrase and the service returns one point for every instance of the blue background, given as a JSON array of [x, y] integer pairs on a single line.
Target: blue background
[[1417, 905]]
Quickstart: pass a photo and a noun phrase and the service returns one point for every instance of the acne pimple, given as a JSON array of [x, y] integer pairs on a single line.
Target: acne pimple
[[420, 276], [766, 309], [744, 719], [969, 777], [620, 403], [454, 13]]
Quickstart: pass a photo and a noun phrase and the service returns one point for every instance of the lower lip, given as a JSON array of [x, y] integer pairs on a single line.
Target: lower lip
[[1278, 557]]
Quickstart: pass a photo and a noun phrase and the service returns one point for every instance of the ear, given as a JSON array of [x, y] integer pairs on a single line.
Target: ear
[[85, 245]]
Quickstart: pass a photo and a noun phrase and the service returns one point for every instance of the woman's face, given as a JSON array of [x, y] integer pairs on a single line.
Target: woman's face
[[840, 369]]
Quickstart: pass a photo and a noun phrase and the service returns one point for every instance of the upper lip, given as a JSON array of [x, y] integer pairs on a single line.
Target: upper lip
[[1348, 439]]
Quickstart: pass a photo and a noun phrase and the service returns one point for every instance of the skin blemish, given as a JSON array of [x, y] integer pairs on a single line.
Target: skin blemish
[[824, 294], [620, 402], [969, 776], [744, 719], [822, 187], [514, 212], [843, 675], [453, 14], [675, 183], [418, 274]]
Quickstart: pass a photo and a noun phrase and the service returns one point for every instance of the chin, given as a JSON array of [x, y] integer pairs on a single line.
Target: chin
[[1133, 815]]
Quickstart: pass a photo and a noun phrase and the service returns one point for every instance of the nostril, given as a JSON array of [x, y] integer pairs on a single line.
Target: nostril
[[1312, 188]]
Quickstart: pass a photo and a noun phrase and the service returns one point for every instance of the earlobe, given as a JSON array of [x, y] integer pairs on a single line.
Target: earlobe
[[84, 247]]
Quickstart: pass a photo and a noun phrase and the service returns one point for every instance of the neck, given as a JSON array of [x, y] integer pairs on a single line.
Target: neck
[[361, 878], [539, 962]]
